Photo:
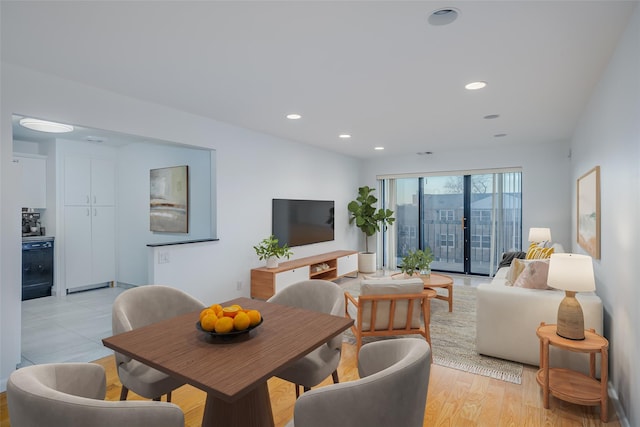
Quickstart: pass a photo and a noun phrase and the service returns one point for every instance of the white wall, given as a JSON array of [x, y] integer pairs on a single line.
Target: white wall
[[608, 135], [545, 178], [252, 168], [134, 163]]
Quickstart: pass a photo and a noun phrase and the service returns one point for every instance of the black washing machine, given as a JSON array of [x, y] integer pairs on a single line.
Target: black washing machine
[[37, 269]]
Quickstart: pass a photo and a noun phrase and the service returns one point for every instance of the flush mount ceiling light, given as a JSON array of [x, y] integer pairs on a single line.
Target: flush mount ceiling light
[[45, 126], [499, 135], [443, 16], [491, 116], [475, 85], [344, 136], [293, 116], [424, 153], [379, 148]]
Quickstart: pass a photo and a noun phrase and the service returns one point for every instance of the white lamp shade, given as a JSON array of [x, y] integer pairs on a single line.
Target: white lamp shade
[[537, 235], [571, 272]]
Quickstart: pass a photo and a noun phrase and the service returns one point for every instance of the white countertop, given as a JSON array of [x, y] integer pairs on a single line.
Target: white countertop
[[37, 238]]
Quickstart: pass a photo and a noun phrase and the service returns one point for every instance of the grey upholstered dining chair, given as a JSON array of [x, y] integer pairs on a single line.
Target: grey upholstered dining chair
[[325, 297], [391, 391], [72, 395], [142, 306]]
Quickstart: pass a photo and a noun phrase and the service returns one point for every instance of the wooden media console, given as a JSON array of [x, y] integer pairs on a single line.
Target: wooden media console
[[328, 266]]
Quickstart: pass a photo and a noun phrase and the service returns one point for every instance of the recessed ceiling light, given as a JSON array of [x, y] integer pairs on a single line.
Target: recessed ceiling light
[[344, 136], [475, 85], [45, 126], [293, 116], [424, 153], [499, 135], [443, 16], [491, 116], [379, 148]]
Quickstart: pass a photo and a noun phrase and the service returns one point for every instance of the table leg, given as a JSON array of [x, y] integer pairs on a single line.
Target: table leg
[[251, 410], [545, 361], [450, 297], [604, 379]]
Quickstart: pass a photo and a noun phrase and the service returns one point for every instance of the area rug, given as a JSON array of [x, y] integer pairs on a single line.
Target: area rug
[[453, 337]]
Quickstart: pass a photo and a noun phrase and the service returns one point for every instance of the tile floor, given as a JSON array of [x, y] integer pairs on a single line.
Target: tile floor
[[70, 328], [67, 329]]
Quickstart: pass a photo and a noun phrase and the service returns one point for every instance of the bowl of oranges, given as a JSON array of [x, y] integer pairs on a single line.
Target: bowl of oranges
[[228, 322]]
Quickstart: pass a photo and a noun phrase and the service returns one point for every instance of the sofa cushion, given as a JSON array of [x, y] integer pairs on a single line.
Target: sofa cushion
[[534, 275], [386, 287]]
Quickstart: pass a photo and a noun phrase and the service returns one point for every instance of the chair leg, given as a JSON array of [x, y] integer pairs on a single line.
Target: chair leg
[[297, 390], [169, 397], [123, 393], [334, 375]]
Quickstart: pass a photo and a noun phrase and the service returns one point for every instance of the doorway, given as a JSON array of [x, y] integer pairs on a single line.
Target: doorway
[[466, 219]]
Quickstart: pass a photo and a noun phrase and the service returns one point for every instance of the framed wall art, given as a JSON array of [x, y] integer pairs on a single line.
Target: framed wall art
[[588, 216], [169, 199]]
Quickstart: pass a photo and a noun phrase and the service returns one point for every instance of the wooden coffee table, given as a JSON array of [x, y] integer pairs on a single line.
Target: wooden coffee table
[[435, 280], [234, 373]]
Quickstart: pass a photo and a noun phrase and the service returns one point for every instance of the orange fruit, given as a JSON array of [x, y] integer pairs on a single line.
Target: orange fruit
[[230, 311], [224, 325], [237, 306], [206, 311], [217, 308], [254, 317], [209, 322], [241, 321]]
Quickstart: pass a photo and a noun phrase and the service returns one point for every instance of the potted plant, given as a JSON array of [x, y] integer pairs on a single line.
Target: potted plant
[[270, 250], [418, 261], [368, 219]]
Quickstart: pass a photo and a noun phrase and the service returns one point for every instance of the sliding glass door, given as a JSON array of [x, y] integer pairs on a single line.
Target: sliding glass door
[[467, 220]]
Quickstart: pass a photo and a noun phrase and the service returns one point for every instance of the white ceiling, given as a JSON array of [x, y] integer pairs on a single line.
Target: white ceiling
[[374, 69]]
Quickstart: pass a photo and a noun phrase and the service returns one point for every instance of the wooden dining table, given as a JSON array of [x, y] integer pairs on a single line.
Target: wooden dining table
[[232, 372]]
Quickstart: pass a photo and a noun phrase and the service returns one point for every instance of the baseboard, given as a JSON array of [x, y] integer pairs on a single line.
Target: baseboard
[[613, 395]]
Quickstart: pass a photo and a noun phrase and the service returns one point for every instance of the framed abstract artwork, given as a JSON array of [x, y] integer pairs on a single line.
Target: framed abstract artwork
[[169, 199], [588, 217]]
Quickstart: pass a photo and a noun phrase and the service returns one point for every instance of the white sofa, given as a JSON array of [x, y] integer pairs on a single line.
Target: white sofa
[[508, 316]]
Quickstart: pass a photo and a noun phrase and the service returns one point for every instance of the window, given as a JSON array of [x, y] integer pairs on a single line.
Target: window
[[429, 210], [480, 241], [447, 240], [481, 215], [447, 215]]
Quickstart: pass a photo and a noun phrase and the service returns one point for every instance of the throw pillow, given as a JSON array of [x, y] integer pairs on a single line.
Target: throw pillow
[[534, 276], [517, 266], [537, 252]]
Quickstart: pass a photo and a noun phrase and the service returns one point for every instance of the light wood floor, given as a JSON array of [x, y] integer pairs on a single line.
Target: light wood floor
[[455, 398]]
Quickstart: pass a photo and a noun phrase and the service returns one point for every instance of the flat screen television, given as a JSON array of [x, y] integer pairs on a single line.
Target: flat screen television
[[302, 222]]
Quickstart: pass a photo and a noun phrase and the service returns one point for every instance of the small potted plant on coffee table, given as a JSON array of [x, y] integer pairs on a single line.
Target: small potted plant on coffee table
[[271, 250], [417, 262]]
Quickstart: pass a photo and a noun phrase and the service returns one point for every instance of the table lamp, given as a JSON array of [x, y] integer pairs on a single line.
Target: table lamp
[[572, 273], [539, 235]]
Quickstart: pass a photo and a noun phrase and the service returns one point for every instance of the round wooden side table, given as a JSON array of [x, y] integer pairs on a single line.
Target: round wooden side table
[[569, 385], [436, 280]]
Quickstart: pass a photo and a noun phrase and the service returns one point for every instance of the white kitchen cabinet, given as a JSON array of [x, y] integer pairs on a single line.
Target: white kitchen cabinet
[[89, 245], [89, 181], [289, 277], [33, 181], [89, 221]]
